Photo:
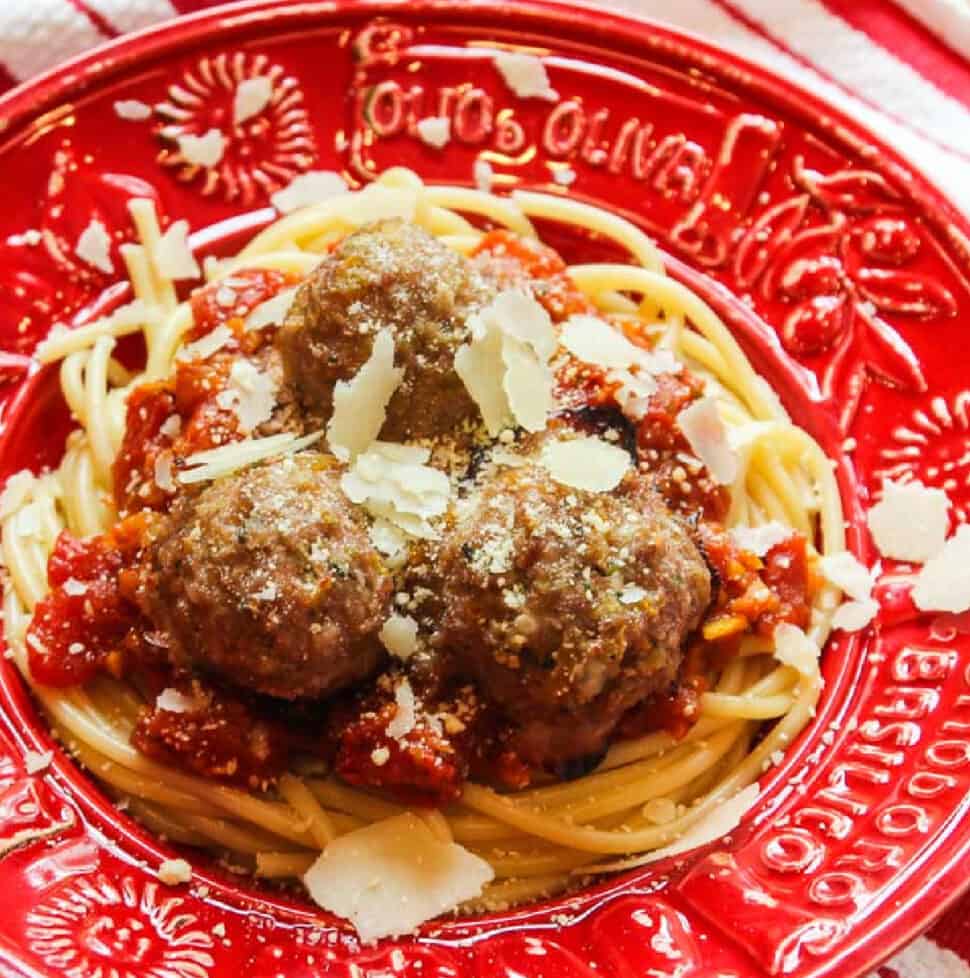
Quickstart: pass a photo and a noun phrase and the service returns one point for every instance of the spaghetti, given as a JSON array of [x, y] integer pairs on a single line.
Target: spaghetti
[[649, 790]]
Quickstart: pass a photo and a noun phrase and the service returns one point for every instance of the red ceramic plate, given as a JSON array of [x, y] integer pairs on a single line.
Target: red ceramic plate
[[844, 274]]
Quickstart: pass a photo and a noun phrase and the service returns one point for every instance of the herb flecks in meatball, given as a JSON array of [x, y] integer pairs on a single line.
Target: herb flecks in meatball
[[568, 607], [391, 275], [268, 579]]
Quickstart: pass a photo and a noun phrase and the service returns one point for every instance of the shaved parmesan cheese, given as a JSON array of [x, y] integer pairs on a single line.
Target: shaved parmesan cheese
[[360, 404], [74, 587], [586, 463], [483, 174], [505, 367], [94, 247], [525, 75], [214, 463], [390, 877], [392, 483], [132, 110], [399, 635], [853, 615], [846, 572], [704, 430], [760, 539], [389, 540], [592, 340], [435, 131], [37, 761], [794, 648], [16, 492], [171, 426], [163, 472], [944, 583], [205, 346], [252, 96], [633, 392], [307, 189], [173, 256], [250, 394], [272, 311], [910, 521], [527, 384], [174, 871], [631, 594], [405, 716], [172, 701], [206, 150]]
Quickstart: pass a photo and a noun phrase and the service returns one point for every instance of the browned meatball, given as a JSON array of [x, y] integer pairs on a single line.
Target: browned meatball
[[390, 275], [567, 606], [268, 578]]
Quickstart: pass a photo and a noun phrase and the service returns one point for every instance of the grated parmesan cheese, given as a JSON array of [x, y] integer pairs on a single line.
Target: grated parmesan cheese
[[252, 96], [132, 110], [390, 877], [399, 635], [214, 463], [94, 247], [360, 404], [910, 521], [37, 761], [704, 430], [794, 648], [173, 256], [172, 701], [250, 395], [586, 463], [206, 150], [205, 346], [307, 189], [405, 716], [272, 311], [174, 871], [944, 584], [435, 131], [760, 539], [525, 75]]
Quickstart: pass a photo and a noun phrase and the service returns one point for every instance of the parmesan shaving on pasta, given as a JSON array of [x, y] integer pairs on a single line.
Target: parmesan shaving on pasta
[[360, 404], [705, 433], [794, 648], [846, 572], [760, 539], [173, 701], [309, 188], [586, 463], [205, 346], [250, 395], [910, 521], [405, 715], [390, 877], [272, 311], [214, 463]]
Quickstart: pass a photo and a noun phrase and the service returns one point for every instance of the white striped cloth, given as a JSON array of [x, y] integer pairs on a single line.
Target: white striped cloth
[[896, 65]]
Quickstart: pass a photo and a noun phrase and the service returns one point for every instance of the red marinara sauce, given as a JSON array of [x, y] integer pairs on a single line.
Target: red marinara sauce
[[80, 627]]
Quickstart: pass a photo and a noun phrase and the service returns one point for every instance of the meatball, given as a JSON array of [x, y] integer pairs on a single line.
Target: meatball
[[390, 275], [568, 607], [268, 578]]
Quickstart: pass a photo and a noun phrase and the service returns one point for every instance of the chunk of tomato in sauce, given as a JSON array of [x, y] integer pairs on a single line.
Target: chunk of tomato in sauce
[[526, 263], [79, 628]]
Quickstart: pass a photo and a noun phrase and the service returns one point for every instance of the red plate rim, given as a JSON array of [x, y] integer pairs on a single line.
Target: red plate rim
[[867, 948]]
